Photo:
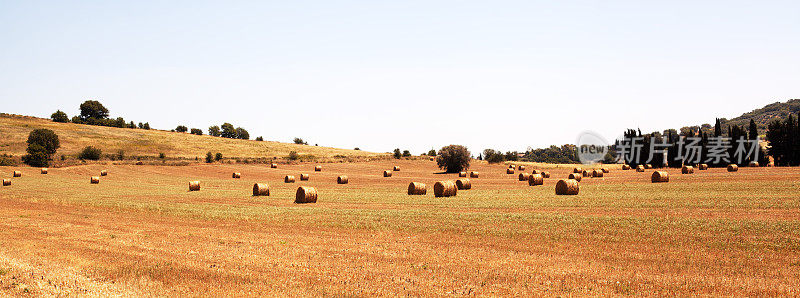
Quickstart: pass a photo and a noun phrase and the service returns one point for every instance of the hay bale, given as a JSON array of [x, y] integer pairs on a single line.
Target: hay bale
[[342, 179], [304, 177], [605, 170], [535, 179], [536, 172], [753, 164], [305, 194], [260, 189], [16, 174], [95, 180], [462, 174], [273, 165], [687, 170], [648, 166], [597, 173], [417, 188], [521, 168], [194, 185], [104, 173], [396, 169], [6, 182], [236, 175], [575, 177], [387, 173], [586, 173], [702, 167], [659, 177], [447, 188], [512, 167], [510, 171], [577, 170], [524, 176], [317, 168], [288, 179], [44, 171], [640, 168], [463, 184], [733, 168], [474, 174], [545, 174], [626, 167], [567, 187]]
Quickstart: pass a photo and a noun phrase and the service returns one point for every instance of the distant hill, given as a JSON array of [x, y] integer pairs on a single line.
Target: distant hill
[[14, 130], [765, 115]]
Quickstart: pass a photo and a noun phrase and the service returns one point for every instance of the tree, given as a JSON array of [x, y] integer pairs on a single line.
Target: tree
[[42, 144], [146, 125], [93, 109], [300, 141], [214, 131], [432, 152], [259, 138], [196, 131], [753, 130], [453, 158], [218, 156], [59, 116], [406, 153], [90, 153], [717, 128], [181, 128], [228, 131], [242, 133], [397, 153], [209, 157]]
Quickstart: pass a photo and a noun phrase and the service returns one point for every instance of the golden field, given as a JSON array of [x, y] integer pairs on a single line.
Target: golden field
[[140, 232]]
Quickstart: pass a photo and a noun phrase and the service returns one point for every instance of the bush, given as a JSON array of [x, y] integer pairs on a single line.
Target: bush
[[397, 153], [76, 120], [259, 139], [453, 158], [406, 153], [300, 141], [493, 156], [357, 149], [218, 156], [432, 153], [209, 157], [196, 131], [181, 128], [120, 154], [59, 116], [90, 153], [293, 155], [162, 155]]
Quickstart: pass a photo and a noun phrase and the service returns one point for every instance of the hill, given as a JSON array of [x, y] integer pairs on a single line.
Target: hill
[[765, 115], [14, 130]]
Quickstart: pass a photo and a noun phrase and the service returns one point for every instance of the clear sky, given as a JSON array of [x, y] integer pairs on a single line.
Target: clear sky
[[410, 74]]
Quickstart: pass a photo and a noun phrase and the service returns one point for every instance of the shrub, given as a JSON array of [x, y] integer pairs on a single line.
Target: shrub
[[209, 157], [259, 139], [162, 155], [196, 131], [181, 128], [493, 156], [59, 116], [146, 125], [397, 153], [218, 156], [293, 155], [77, 120], [120, 154], [406, 153], [453, 158], [90, 153], [300, 141], [357, 149], [432, 153]]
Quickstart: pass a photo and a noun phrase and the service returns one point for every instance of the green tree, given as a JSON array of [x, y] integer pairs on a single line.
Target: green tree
[[181, 128], [209, 157], [406, 153], [214, 131], [59, 116], [42, 144], [93, 109], [242, 133], [197, 131], [453, 158], [218, 156], [228, 131], [432, 152], [397, 153], [300, 141], [753, 130]]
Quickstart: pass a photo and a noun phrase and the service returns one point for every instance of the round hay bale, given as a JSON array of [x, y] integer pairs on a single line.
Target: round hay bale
[[521, 168], [387, 173], [462, 174], [304, 177], [605, 170], [545, 174], [512, 167], [288, 179], [318, 168], [16, 174], [733, 168], [575, 177], [104, 173], [567, 187], [510, 171], [95, 180], [536, 172], [702, 167], [260, 189], [273, 165], [139, 163], [194, 185], [659, 177], [6, 182], [44, 171], [648, 166], [447, 188], [417, 188], [463, 184], [687, 170], [305, 194], [626, 167], [753, 164], [535, 179], [640, 168], [236, 175], [524, 176], [586, 173], [597, 173], [342, 179], [396, 169], [474, 174], [577, 170]]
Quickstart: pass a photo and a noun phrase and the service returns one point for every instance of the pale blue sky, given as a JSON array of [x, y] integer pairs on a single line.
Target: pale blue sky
[[409, 74]]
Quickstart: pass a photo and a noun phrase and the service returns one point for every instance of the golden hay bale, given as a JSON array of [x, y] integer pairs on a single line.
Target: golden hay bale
[[474, 174], [260, 189], [273, 165], [462, 174], [104, 173], [577, 170], [586, 173], [536, 172], [597, 173], [567, 187], [6, 182], [687, 170], [317, 168], [463, 184], [305, 194], [194, 185], [575, 176], [521, 168], [733, 168], [648, 166], [387, 173], [545, 174], [417, 188], [236, 175], [535, 179], [447, 188], [304, 177], [659, 176], [396, 168], [17, 174], [524, 176], [95, 180], [753, 164], [626, 167], [640, 168], [139, 163], [702, 167], [288, 179], [44, 171], [509, 171], [605, 170], [512, 167], [342, 179]]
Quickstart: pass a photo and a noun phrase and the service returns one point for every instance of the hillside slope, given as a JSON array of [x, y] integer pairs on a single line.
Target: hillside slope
[[14, 132], [763, 116]]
